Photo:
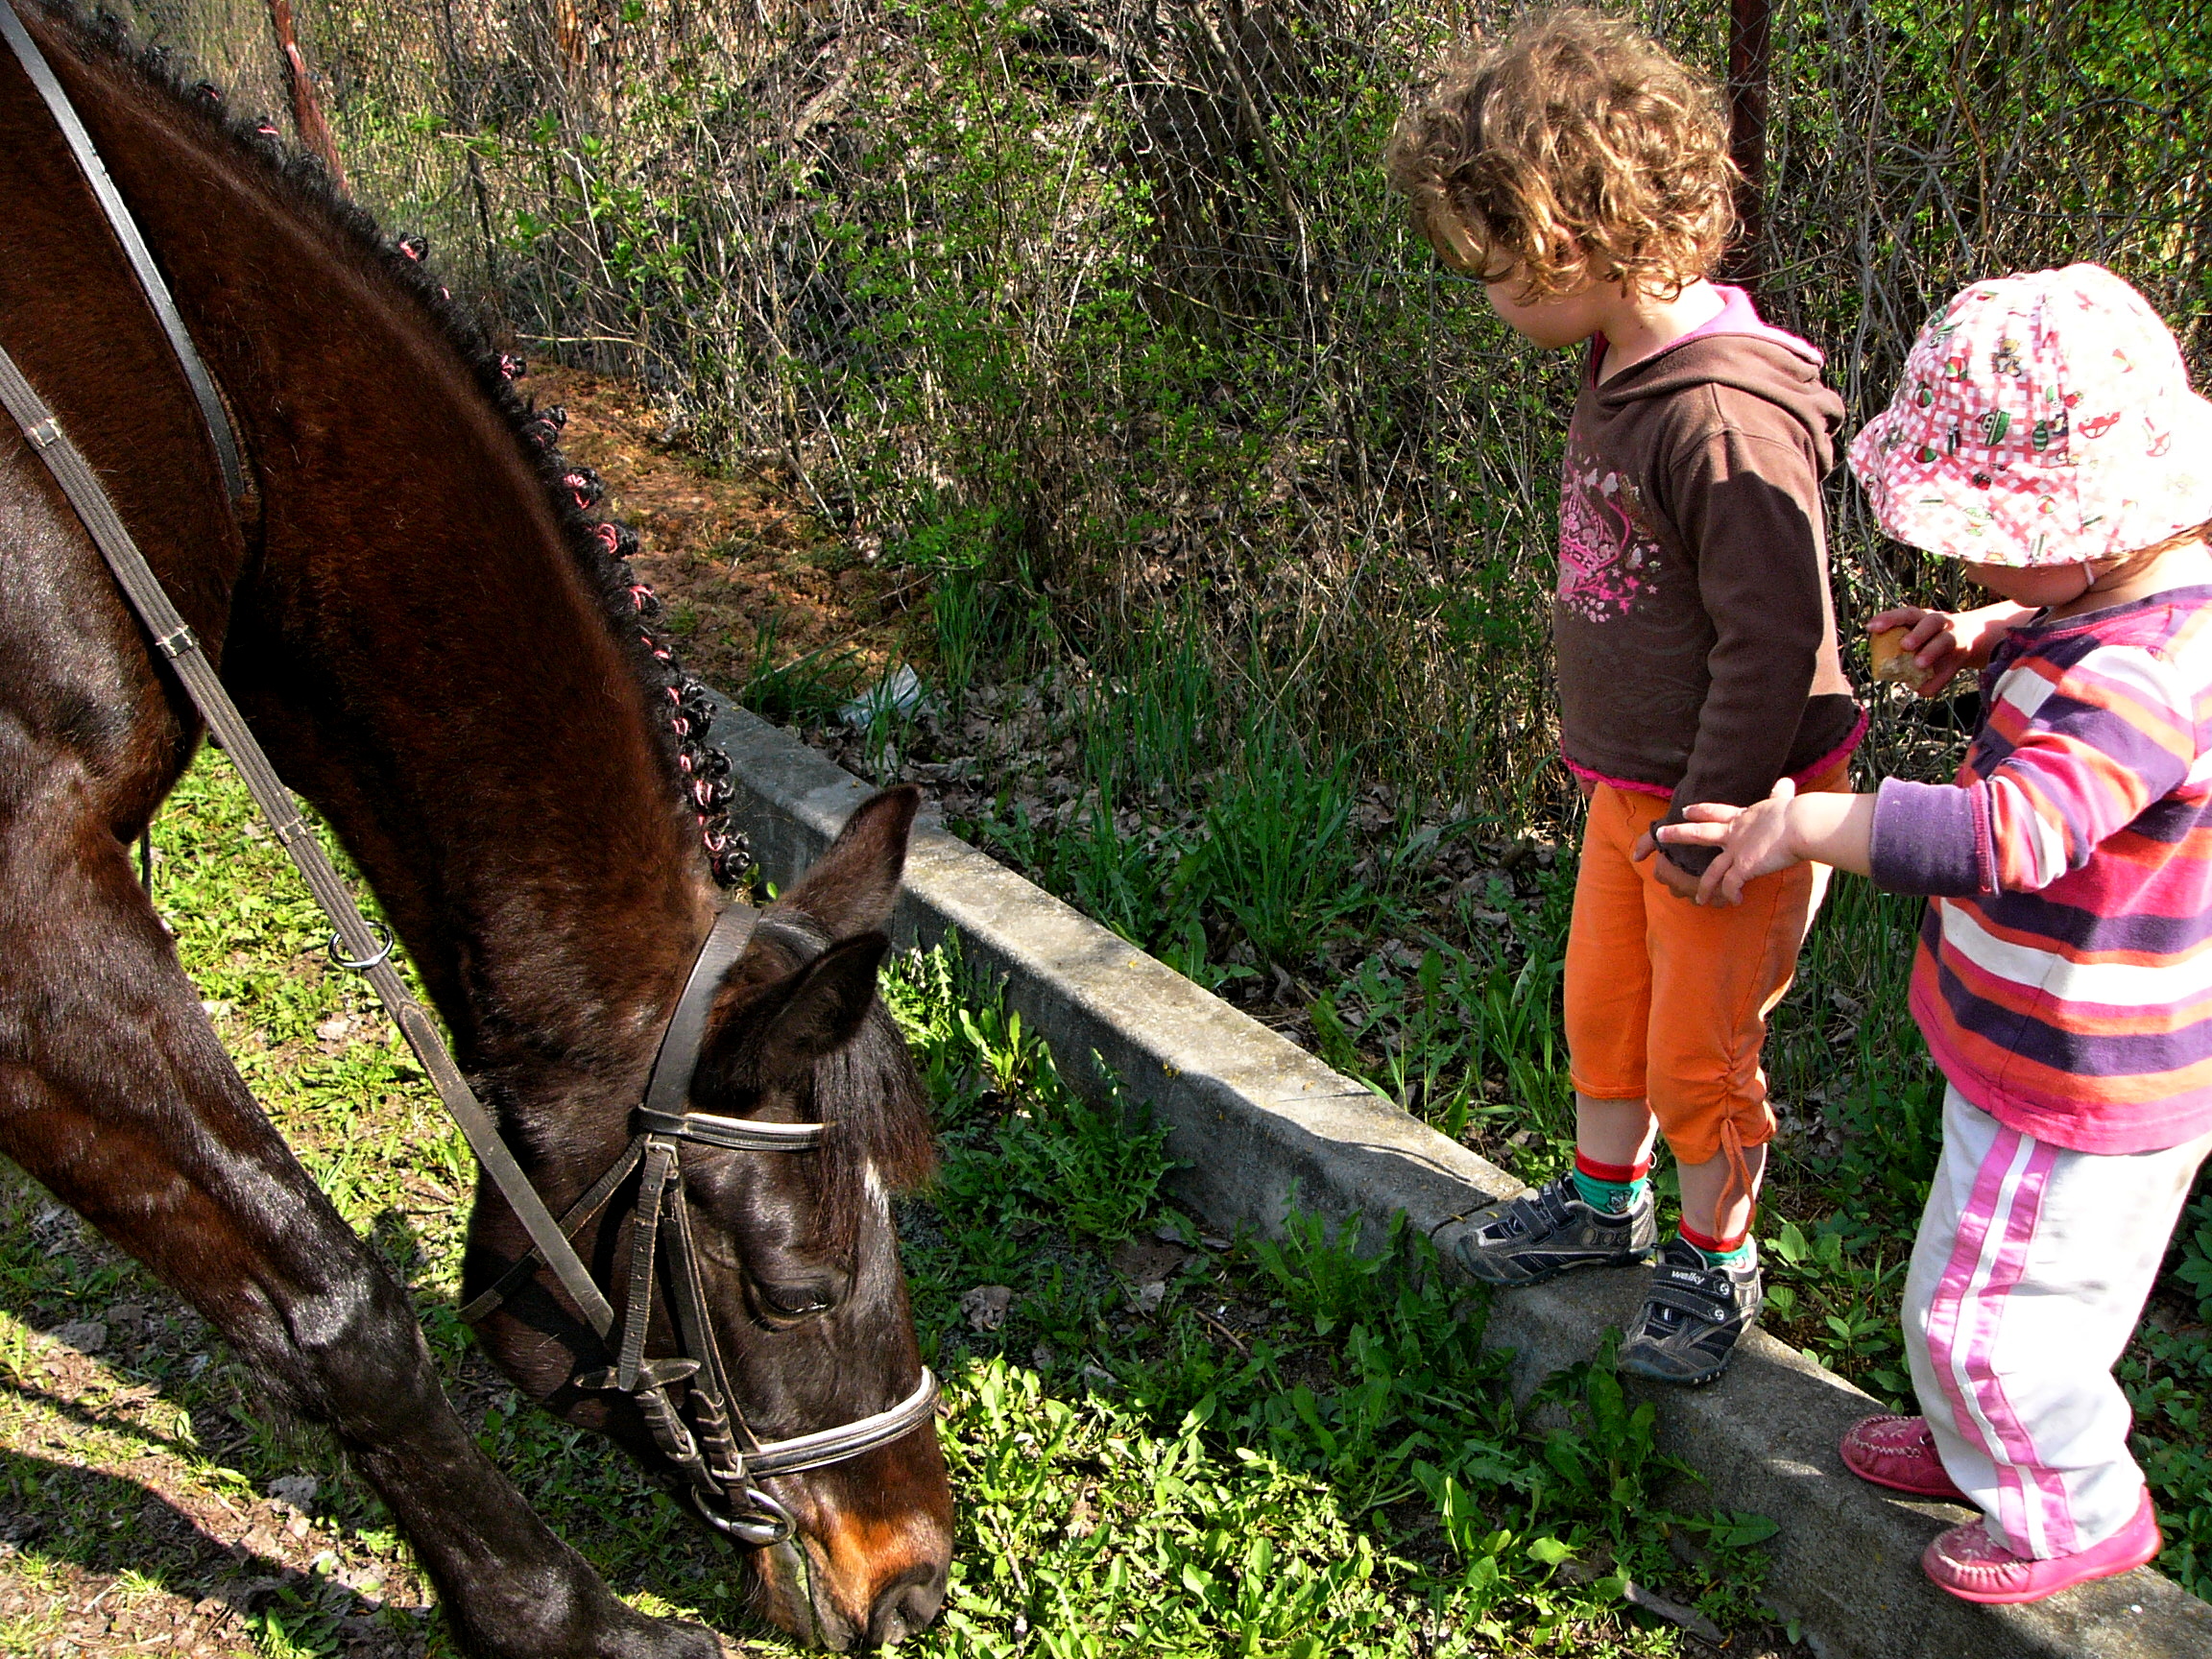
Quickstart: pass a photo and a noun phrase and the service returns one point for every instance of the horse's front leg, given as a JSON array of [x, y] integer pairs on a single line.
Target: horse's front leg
[[115, 1094]]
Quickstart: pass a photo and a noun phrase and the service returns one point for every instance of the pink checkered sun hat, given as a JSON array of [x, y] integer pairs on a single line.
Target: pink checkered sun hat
[[2043, 420]]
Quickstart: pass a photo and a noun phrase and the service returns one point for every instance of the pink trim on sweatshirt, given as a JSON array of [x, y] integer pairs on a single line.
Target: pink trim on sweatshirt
[[1827, 763], [1835, 757], [1626, 784], [1737, 316]]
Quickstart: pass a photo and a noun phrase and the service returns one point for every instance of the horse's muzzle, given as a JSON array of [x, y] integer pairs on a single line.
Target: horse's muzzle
[[856, 1582]]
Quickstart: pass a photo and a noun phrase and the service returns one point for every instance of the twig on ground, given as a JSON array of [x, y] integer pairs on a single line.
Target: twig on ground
[[1234, 1342], [1675, 1613]]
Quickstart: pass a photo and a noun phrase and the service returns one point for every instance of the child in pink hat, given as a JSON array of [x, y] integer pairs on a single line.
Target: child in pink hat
[[2046, 436]]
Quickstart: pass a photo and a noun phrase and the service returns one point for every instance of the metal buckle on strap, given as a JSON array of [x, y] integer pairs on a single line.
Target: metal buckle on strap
[[45, 434]]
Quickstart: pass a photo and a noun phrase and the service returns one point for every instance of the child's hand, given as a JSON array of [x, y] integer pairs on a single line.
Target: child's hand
[[1668, 874], [1754, 841], [1931, 640]]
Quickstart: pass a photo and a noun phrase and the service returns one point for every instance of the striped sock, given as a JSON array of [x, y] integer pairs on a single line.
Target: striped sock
[[1609, 1189], [1718, 1252]]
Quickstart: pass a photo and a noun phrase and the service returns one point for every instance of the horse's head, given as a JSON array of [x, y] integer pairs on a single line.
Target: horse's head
[[796, 1264]]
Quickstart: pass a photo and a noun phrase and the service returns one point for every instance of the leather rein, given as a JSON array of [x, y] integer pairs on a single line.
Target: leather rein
[[718, 1458]]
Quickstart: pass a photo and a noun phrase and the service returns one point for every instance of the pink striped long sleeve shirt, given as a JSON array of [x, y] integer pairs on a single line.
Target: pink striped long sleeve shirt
[[2064, 976]]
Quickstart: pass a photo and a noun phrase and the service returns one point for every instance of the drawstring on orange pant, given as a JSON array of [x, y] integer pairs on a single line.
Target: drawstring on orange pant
[[1738, 1172]]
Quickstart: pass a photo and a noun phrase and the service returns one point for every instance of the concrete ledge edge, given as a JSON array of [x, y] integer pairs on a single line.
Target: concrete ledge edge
[[1253, 1118]]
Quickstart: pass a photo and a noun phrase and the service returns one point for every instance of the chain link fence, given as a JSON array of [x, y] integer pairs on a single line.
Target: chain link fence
[[1100, 308]]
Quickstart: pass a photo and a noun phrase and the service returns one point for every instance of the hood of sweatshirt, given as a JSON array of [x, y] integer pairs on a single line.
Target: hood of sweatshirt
[[1736, 349]]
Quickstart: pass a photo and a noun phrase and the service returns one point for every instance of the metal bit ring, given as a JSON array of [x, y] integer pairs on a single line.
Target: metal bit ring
[[770, 1523], [362, 965]]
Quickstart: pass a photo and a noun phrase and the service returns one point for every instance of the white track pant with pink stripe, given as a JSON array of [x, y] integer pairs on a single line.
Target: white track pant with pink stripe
[[2031, 1269]]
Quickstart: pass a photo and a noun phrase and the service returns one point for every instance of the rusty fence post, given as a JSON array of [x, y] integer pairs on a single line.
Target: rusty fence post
[[306, 112], [1750, 40]]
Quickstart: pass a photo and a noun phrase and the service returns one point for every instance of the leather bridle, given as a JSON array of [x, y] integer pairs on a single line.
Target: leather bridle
[[716, 1452], [719, 1458]]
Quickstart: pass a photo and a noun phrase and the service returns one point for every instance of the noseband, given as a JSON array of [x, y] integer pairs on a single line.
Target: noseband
[[718, 1455], [719, 1458]]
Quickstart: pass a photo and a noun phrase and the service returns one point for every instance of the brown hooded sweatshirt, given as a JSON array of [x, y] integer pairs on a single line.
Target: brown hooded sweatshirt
[[1695, 635]]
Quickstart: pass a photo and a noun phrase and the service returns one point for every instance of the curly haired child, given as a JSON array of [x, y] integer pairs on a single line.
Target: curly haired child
[[1582, 175], [2045, 435]]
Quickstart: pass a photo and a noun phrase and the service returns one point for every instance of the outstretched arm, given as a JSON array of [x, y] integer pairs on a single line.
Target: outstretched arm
[[1783, 830], [2084, 755]]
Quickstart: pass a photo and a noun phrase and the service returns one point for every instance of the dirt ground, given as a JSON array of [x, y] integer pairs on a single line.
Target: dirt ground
[[741, 565]]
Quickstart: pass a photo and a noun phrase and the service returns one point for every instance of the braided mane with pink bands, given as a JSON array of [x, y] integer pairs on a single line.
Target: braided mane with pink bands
[[603, 550]]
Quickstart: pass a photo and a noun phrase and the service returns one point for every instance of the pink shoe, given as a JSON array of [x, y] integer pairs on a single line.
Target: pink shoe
[[1899, 1452], [1974, 1567]]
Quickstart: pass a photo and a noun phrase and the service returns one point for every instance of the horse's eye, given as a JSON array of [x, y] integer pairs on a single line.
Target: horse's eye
[[795, 1301]]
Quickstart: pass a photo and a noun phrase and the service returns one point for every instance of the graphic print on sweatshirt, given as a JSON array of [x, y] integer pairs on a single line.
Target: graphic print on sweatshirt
[[1606, 556]]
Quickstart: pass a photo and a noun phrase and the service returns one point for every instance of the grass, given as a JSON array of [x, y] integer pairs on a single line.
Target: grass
[[1244, 1447], [1420, 951], [1172, 1442]]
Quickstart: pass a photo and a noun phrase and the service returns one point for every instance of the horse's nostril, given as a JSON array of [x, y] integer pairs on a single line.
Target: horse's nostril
[[906, 1605]]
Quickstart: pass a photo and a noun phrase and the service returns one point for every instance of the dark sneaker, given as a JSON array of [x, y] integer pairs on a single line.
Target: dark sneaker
[[1694, 1314], [1540, 1235]]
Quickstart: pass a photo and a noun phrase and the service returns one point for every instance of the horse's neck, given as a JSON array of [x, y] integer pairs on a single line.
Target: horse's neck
[[422, 656]]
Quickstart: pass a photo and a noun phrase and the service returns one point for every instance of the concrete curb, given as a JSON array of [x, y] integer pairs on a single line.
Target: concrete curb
[[1253, 1116]]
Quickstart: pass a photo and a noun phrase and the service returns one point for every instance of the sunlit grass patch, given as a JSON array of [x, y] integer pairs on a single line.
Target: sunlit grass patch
[[1168, 1442]]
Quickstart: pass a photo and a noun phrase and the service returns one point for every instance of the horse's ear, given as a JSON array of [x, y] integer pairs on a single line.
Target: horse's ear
[[792, 1023], [853, 886], [816, 1011]]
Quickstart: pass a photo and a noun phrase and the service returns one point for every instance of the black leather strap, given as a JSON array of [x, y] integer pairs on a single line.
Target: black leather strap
[[653, 1191], [678, 1056], [593, 1200], [736, 1134], [135, 247]]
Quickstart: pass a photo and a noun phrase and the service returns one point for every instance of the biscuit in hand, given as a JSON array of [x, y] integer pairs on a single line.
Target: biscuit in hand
[[1893, 663]]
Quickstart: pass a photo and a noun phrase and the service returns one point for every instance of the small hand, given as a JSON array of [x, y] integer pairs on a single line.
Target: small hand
[[1671, 874], [1933, 640], [1754, 841]]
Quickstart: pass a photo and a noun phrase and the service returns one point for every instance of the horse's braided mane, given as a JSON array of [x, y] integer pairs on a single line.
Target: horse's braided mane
[[601, 548], [868, 1087]]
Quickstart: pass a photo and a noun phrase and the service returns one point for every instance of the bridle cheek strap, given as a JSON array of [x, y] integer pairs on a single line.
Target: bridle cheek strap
[[706, 1440]]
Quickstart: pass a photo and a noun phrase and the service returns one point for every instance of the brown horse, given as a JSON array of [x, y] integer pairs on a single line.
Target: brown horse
[[444, 657]]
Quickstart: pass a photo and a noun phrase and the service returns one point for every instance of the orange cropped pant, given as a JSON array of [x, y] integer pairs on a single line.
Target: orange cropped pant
[[1667, 1000]]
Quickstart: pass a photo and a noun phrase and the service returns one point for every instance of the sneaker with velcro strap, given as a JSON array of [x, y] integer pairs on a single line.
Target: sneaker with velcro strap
[[1549, 1231], [1693, 1317]]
